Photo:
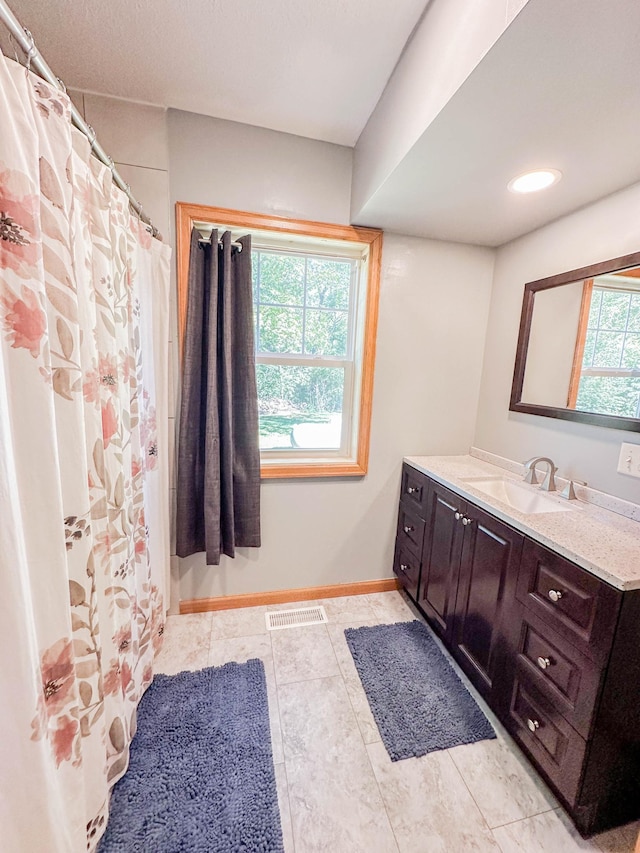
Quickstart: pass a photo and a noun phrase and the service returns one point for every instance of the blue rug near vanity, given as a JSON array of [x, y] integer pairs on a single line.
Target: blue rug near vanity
[[418, 701], [201, 777]]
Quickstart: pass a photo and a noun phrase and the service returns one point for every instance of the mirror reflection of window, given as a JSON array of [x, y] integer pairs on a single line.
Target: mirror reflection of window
[[606, 371]]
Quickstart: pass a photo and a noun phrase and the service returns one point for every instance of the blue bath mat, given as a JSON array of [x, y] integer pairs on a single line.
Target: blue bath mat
[[201, 776], [417, 700]]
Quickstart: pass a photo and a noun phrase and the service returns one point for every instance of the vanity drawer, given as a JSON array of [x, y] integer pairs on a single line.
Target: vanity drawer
[[557, 749], [410, 529], [406, 565], [569, 680], [413, 492], [580, 607]]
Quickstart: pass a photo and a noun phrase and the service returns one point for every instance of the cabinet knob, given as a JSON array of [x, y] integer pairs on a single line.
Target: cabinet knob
[[411, 490], [532, 725], [555, 595], [466, 521], [543, 663], [458, 515], [404, 567], [408, 529]]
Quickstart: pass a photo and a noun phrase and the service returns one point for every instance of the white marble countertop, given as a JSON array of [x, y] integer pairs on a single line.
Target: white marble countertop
[[602, 542]]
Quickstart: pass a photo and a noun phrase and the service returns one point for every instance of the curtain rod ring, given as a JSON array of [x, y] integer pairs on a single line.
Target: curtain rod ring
[[31, 50], [62, 85], [91, 135]]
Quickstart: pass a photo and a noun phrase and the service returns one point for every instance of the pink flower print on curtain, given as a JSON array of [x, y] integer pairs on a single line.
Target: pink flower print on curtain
[[83, 457], [23, 319], [19, 232], [56, 705]]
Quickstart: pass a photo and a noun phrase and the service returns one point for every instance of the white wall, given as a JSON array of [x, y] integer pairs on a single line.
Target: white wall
[[607, 229], [550, 352], [447, 44], [227, 164], [433, 309]]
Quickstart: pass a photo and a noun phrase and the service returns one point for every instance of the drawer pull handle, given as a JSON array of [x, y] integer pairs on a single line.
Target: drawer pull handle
[[532, 725], [555, 595], [466, 521], [408, 529], [411, 490], [543, 663], [458, 515]]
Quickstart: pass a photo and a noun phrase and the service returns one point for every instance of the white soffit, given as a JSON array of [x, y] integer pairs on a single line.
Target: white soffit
[[561, 89], [306, 67]]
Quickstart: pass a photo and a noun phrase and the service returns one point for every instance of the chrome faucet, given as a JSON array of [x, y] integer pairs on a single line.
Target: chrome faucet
[[549, 483]]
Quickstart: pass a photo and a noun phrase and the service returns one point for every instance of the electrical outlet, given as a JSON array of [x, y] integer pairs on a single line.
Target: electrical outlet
[[629, 461]]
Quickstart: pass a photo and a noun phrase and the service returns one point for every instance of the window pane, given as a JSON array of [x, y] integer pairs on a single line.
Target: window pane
[[594, 309], [609, 395], [631, 354], [589, 346], [634, 313], [328, 283], [300, 407], [608, 349], [280, 329], [281, 279], [613, 314], [325, 332]]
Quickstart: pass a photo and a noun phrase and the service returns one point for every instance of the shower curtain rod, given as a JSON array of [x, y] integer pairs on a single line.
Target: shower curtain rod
[[34, 58]]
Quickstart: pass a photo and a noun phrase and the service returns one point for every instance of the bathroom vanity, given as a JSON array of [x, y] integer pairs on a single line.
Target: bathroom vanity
[[538, 600]]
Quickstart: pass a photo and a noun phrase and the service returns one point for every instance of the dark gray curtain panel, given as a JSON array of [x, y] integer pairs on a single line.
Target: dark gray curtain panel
[[218, 482]]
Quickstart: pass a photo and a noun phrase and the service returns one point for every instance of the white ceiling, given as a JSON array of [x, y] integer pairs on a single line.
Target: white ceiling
[[560, 88], [315, 68]]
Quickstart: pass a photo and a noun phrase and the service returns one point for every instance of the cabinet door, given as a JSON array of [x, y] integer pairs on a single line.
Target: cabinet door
[[488, 573], [441, 557]]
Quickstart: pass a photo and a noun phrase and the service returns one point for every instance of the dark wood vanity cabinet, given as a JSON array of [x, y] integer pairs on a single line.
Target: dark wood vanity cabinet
[[488, 569], [442, 546], [554, 650]]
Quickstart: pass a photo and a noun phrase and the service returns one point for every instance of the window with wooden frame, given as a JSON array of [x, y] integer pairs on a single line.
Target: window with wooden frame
[[606, 367], [315, 294]]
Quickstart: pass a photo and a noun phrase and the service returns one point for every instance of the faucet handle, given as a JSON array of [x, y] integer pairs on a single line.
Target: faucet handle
[[569, 492]]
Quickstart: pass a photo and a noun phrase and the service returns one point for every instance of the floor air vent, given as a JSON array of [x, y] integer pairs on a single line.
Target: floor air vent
[[295, 618]]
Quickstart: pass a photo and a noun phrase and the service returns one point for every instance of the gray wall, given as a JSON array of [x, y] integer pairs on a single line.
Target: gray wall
[[433, 308], [607, 229]]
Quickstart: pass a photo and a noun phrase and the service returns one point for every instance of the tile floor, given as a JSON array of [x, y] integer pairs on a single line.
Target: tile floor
[[337, 787]]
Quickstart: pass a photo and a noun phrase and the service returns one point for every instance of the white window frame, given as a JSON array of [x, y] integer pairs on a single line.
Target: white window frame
[[348, 363]]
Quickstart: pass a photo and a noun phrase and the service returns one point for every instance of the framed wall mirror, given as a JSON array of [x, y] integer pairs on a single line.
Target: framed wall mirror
[[578, 355]]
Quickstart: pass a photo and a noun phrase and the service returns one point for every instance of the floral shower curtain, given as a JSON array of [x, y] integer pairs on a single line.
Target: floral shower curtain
[[84, 515]]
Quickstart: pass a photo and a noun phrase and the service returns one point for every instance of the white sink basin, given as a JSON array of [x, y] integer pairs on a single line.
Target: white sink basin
[[525, 499]]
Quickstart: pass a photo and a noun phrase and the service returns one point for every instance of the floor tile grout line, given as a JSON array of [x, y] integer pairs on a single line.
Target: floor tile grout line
[[345, 677], [284, 758], [520, 819], [366, 745], [473, 799], [506, 823], [315, 678], [353, 711]]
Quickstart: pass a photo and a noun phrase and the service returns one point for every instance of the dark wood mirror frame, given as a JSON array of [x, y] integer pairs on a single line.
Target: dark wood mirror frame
[[530, 290]]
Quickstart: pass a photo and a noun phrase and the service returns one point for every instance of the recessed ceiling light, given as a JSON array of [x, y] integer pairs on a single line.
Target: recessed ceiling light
[[531, 182]]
